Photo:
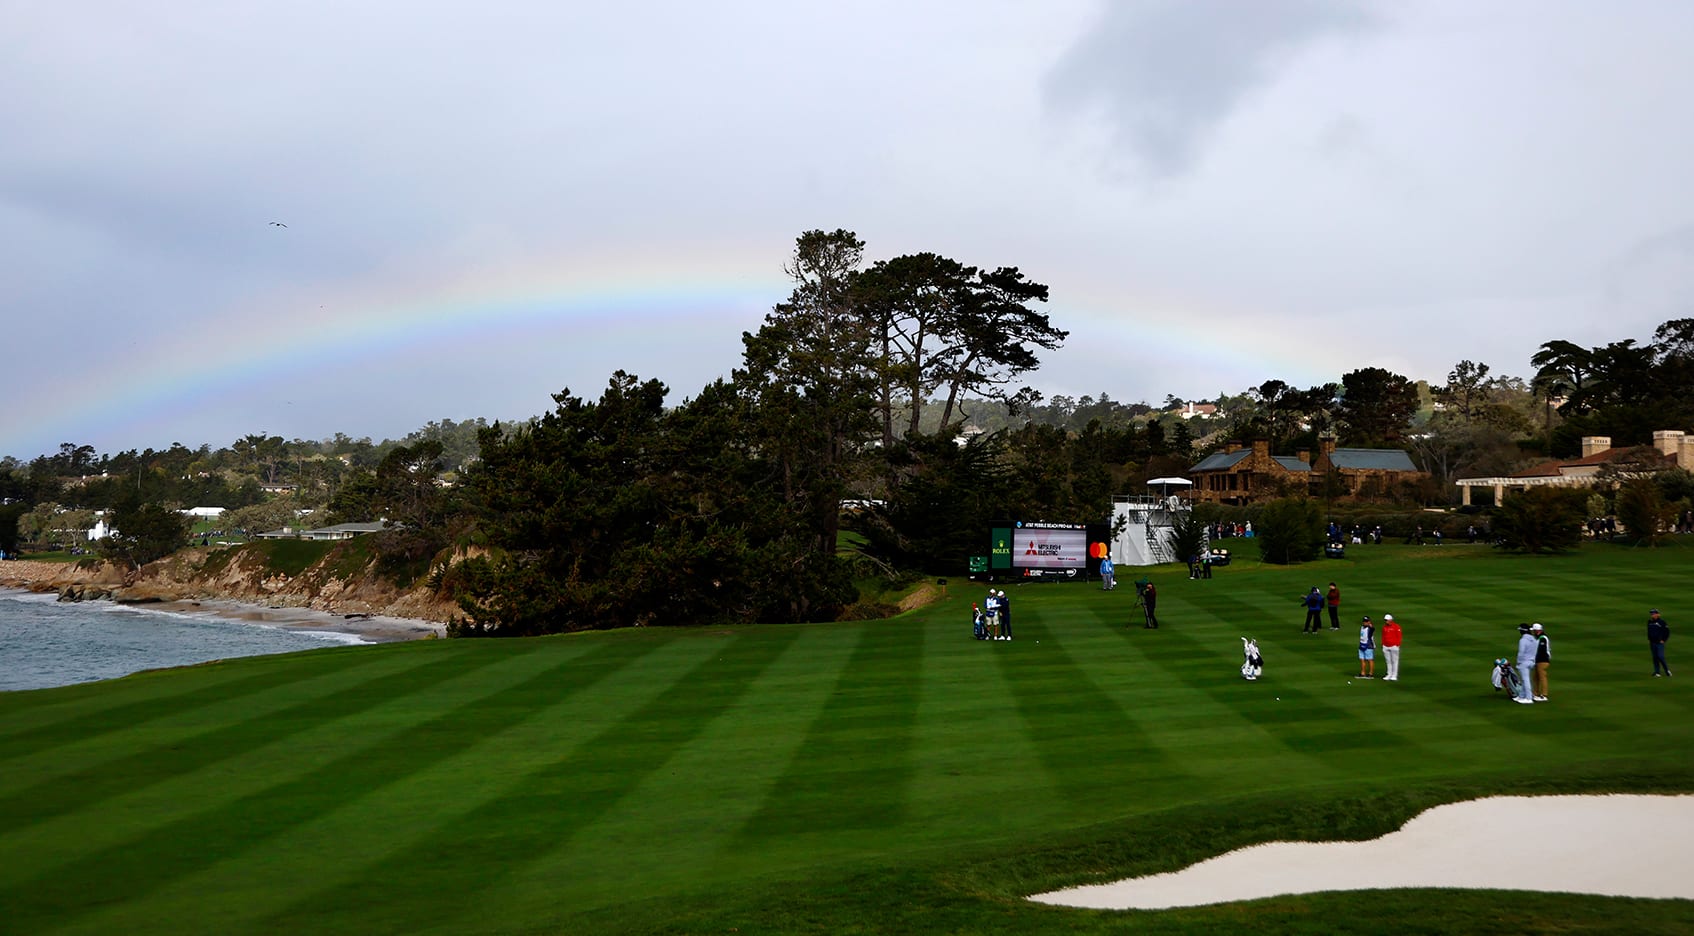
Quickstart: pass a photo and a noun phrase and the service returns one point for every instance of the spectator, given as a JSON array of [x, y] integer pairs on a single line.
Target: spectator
[[1108, 578], [1658, 634], [1313, 601], [1367, 649], [1334, 601]]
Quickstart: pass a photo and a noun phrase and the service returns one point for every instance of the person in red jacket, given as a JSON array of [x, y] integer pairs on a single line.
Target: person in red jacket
[[1333, 599], [1391, 646]]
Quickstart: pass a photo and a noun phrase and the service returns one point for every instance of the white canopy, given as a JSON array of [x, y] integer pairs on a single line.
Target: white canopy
[[1184, 481]]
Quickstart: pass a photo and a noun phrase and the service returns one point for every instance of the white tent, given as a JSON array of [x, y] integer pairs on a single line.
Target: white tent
[[1164, 485]]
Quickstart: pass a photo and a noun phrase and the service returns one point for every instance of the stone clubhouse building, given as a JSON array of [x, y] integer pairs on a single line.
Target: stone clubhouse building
[[1242, 475]]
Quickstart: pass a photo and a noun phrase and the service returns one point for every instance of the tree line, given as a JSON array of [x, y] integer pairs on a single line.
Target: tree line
[[882, 399]]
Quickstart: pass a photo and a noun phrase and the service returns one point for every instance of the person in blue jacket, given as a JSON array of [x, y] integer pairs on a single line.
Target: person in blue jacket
[[1314, 611]]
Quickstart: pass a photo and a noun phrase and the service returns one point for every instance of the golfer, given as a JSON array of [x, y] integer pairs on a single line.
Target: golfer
[[1525, 664], [1658, 634], [1333, 599], [1150, 599], [1391, 646], [1367, 647]]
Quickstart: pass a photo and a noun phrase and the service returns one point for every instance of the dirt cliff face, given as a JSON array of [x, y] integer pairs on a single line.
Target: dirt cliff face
[[242, 573]]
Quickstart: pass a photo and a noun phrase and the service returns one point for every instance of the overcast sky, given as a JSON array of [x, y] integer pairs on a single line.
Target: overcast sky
[[488, 203]]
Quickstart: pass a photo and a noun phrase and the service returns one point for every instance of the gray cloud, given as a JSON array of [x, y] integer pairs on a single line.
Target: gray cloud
[[1164, 73], [488, 204]]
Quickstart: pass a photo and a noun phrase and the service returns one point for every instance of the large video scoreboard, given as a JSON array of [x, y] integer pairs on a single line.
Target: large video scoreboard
[[1039, 549]]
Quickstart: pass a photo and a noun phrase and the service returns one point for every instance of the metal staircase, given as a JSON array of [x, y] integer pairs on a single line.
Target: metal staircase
[[1156, 545]]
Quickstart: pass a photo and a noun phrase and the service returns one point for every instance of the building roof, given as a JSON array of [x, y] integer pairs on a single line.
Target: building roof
[[376, 527], [1221, 461], [1625, 455], [1543, 470], [1372, 459], [1291, 463]]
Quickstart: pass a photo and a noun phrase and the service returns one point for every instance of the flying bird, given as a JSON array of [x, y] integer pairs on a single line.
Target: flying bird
[[278, 224]]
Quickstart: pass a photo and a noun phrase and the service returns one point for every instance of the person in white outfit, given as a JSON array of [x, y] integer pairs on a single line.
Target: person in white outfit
[[1527, 645]]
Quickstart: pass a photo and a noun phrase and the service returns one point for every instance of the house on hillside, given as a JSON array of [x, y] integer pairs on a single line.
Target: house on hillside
[[1243, 476], [339, 531], [1671, 449], [1240, 475], [1194, 411]]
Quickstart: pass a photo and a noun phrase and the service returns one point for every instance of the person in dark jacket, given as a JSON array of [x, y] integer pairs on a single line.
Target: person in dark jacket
[[1150, 599], [1333, 599], [1314, 611], [1543, 659], [1658, 634]]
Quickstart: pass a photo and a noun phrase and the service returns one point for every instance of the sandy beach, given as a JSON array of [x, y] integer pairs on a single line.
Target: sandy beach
[[35, 576], [1614, 845], [375, 628]]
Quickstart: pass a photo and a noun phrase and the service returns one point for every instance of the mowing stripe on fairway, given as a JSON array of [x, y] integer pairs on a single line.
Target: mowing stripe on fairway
[[86, 719], [687, 813], [852, 771], [972, 748], [347, 843], [443, 877], [1087, 738], [195, 746], [193, 841]]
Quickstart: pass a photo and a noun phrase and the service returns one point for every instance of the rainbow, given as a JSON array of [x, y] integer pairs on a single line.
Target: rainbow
[[609, 302], [606, 302]]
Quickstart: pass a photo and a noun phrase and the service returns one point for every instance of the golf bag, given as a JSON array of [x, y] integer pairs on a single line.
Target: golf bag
[[979, 624], [1254, 664], [1506, 677]]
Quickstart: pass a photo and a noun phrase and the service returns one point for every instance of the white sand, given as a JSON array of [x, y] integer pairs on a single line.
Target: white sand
[[1621, 846]]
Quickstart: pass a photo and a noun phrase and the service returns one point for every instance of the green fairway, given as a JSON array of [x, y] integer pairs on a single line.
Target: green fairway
[[885, 776]]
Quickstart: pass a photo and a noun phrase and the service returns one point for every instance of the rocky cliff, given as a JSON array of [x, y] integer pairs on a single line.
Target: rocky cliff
[[323, 577]]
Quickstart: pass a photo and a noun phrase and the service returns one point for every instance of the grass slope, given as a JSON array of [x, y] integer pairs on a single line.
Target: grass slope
[[890, 776]]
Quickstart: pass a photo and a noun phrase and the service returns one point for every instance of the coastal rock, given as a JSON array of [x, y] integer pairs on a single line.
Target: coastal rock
[[145, 593], [239, 574], [80, 592]]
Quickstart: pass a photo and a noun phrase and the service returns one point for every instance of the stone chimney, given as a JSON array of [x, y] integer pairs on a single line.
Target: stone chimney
[[1261, 450], [1231, 447], [1668, 442], [1304, 455], [1594, 445]]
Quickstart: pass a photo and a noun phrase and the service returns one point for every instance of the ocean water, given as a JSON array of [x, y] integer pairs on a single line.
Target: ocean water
[[45, 643]]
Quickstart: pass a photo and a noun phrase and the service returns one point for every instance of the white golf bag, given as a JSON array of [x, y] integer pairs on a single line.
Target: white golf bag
[[1254, 664], [1505, 676]]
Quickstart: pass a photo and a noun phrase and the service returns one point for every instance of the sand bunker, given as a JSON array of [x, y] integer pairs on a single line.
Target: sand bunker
[[1619, 846]]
